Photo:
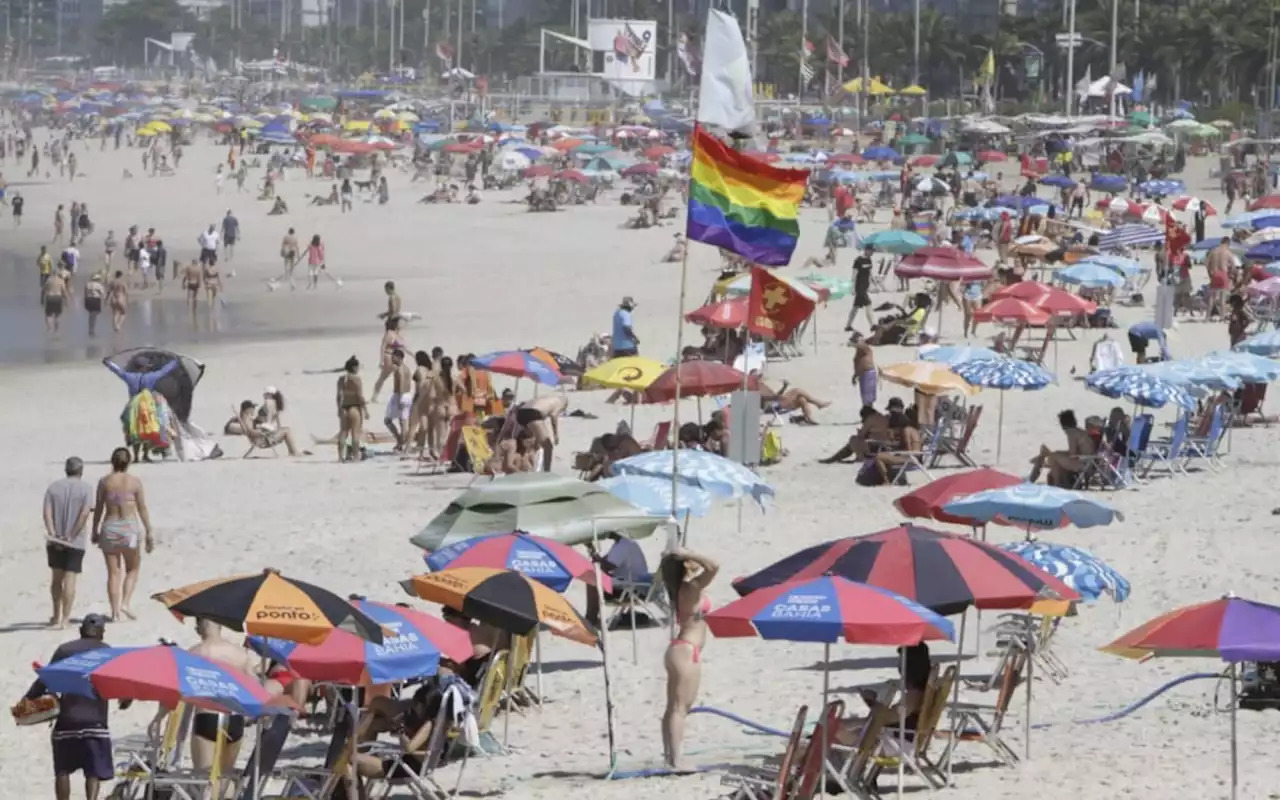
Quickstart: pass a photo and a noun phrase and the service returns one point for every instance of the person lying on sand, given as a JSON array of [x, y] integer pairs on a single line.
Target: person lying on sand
[[677, 251], [278, 208], [330, 199], [787, 399]]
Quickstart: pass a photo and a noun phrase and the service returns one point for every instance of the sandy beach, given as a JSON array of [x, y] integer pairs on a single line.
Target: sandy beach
[[493, 276]]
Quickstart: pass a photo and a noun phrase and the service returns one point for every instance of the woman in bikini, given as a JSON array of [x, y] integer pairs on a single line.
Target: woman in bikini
[[392, 340], [686, 576], [120, 506], [212, 283], [118, 299], [440, 405], [352, 411], [422, 374]]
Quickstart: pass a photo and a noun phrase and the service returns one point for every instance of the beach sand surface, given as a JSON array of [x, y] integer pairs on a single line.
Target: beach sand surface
[[494, 276]]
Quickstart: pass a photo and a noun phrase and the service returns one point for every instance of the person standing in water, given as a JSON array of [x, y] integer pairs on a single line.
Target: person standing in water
[[57, 295], [95, 291], [686, 576], [230, 235], [192, 275], [352, 411], [118, 299]]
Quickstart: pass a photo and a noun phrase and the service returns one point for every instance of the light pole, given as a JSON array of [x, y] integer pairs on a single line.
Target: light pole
[[915, 69], [1070, 87], [1112, 83]]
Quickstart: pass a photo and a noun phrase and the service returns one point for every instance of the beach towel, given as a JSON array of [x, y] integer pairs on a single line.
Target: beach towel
[[145, 420]]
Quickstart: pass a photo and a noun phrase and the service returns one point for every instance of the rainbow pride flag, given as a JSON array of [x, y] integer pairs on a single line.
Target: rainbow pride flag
[[742, 204]]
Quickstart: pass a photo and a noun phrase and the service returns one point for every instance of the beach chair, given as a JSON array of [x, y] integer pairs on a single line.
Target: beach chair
[[262, 440], [493, 682], [192, 784], [519, 696], [974, 722], [139, 759], [1027, 632], [958, 446], [913, 751], [636, 590], [855, 776], [262, 759], [319, 783], [1169, 454], [403, 773], [1207, 447], [917, 461], [763, 783], [661, 439], [1111, 469]]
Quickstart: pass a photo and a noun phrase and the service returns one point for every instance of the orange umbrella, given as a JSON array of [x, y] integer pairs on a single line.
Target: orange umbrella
[[565, 145]]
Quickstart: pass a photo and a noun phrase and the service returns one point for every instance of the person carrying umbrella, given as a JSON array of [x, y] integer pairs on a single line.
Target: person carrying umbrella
[[81, 738]]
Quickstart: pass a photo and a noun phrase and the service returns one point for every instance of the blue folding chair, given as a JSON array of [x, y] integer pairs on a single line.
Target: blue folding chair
[[1207, 446], [1170, 454]]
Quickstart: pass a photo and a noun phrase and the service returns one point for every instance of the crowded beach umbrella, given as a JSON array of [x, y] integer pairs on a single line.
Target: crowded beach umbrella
[[1191, 375], [566, 366], [1058, 181], [700, 469], [505, 599], [541, 503], [698, 379], [924, 161], [544, 560], [1261, 344], [162, 674], [1130, 235], [1090, 275], [653, 495], [1192, 204], [945, 572], [269, 604], [657, 151], [412, 648], [177, 384], [741, 285], [829, 286], [627, 372], [955, 353], [730, 312], [1074, 566], [1111, 184], [1139, 386], [1011, 309], [1119, 206], [518, 364], [928, 377], [1162, 187], [1049, 299], [914, 140], [852, 159], [931, 185], [1034, 506], [1004, 374], [639, 170], [943, 264], [1126, 267], [1266, 202], [1247, 219], [1038, 248], [1015, 202], [1231, 628], [880, 153], [1246, 367], [927, 502], [901, 242], [1266, 251]]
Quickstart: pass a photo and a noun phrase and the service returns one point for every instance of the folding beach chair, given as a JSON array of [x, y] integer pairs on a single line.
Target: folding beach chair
[[519, 697], [661, 439], [636, 590], [192, 784], [917, 461], [974, 722], [139, 758], [1168, 455], [913, 751], [855, 776], [319, 783], [764, 782], [413, 771], [1112, 469], [1207, 447], [958, 446], [261, 440]]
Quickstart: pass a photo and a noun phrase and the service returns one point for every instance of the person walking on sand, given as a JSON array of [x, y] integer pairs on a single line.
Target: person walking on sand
[[400, 404], [218, 178], [208, 242], [393, 301], [346, 195], [95, 291], [289, 258], [59, 222], [118, 299], [624, 341], [352, 412], [212, 280], [68, 502], [230, 235], [315, 262], [686, 576], [120, 506], [862, 267]]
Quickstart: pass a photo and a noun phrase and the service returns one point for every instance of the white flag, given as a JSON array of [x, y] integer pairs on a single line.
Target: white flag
[[1082, 88], [724, 94]]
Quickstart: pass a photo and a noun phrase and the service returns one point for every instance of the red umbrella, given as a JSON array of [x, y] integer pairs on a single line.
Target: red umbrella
[[643, 168], [352, 147], [991, 156], [544, 560], [657, 151], [572, 175], [924, 161], [1011, 309], [1189, 203], [460, 147], [729, 313], [945, 572], [697, 379], [1118, 206], [846, 158], [538, 171], [943, 264], [927, 501], [1266, 201], [1049, 299]]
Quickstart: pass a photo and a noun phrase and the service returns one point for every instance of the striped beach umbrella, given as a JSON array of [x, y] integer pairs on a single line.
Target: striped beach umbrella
[[1130, 235], [1074, 566], [944, 572], [1004, 373], [1262, 344], [1034, 505], [1139, 386], [955, 354], [699, 469], [943, 264], [544, 560]]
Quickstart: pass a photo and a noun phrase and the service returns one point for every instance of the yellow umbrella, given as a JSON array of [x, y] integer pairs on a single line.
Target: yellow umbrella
[[159, 126], [628, 372], [927, 377], [914, 91], [874, 87], [384, 113], [357, 125]]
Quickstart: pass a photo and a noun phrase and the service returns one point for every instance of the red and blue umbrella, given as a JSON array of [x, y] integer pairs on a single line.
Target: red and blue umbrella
[[1230, 628], [827, 609], [167, 675], [518, 364], [412, 646], [551, 563]]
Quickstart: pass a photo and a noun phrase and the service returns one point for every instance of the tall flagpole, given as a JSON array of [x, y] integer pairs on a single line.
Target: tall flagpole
[[804, 52], [840, 44]]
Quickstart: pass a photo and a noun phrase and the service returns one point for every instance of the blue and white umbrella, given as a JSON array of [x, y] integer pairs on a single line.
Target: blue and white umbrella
[[1034, 505], [1254, 220], [1074, 566], [1139, 386], [957, 354], [700, 469], [1162, 188], [1128, 267], [1244, 367], [1111, 184], [1060, 181], [1092, 276], [1262, 344], [1132, 235], [653, 495], [1191, 375], [1003, 373], [984, 214]]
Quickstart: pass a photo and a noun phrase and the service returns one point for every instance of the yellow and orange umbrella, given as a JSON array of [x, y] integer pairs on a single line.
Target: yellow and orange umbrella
[[504, 599], [269, 604], [927, 376]]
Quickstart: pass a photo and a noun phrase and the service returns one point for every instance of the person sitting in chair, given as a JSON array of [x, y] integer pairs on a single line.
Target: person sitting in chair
[[874, 434], [905, 430], [1064, 465], [893, 329], [261, 433], [915, 666]]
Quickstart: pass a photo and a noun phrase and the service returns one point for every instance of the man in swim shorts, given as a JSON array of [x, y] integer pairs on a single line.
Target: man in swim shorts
[[401, 401], [57, 292]]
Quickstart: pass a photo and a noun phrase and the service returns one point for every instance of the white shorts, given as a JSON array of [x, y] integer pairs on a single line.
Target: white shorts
[[398, 406]]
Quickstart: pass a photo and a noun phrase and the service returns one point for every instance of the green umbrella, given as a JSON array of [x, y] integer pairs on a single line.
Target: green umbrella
[[540, 503], [836, 287], [593, 148], [1142, 118], [319, 103], [956, 158], [901, 242], [913, 139]]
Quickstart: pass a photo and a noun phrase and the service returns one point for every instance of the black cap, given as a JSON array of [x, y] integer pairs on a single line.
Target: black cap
[[93, 625], [895, 402]]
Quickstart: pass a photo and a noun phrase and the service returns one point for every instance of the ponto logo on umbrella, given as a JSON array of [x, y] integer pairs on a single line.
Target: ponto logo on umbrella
[[272, 612]]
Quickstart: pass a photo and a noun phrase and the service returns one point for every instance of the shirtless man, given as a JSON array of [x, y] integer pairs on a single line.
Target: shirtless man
[[400, 403], [540, 416], [393, 301], [191, 276], [56, 294], [205, 725], [864, 371], [118, 299]]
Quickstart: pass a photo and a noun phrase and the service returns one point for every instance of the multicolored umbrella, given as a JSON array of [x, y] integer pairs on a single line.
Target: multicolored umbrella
[[942, 571], [700, 469], [828, 609], [1074, 566], [1035, 506], [412, 648], [519, 364], [269, 604], [1139, 386], [163, 674], [927, 502], [1131, 235], [697, 379], [507, 600], [565, 365], [653, 495], [546, 561], [1126, 267]]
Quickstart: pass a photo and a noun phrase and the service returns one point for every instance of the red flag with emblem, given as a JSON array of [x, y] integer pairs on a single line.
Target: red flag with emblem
[[775, 308]]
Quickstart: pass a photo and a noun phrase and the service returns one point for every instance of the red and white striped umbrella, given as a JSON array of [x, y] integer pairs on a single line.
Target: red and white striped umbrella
[[1154, 214], [943, 264], [1189, 203], [1118, 206]]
